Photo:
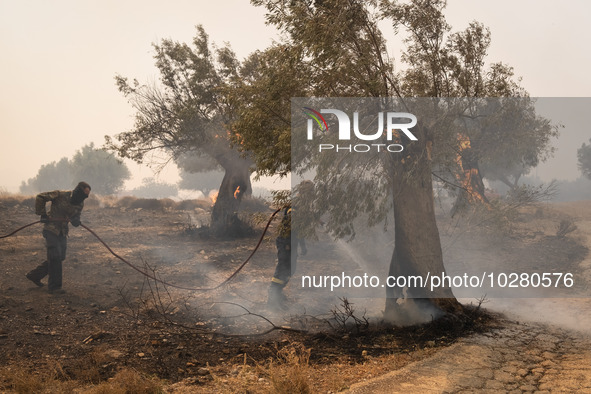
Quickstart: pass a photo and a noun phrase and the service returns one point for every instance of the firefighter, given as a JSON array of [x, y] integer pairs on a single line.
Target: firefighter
[[286, 257], [66, 206]]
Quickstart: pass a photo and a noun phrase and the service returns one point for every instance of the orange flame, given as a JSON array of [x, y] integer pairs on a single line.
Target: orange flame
[[237, 192], [213, 197], [469, 177]]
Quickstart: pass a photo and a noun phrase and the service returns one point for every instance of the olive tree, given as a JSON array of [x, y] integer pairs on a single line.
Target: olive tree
[[188, 116], [335, 48]]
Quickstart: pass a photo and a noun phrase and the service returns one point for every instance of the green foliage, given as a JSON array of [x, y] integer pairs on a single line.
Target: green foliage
[[100, 169], [261, 99], [281, 198], [334, 48], [507, 137], [584, 162], [185, 114], [512, 139], [331, 48]]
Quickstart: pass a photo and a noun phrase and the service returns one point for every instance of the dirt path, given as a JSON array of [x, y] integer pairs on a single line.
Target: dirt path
[[517, 358]]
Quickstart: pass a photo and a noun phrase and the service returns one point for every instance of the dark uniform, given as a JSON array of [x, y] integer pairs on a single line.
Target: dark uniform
[[65, 206], [286, 259]]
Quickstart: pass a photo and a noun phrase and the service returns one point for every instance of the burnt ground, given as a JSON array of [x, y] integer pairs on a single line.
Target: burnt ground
[[114, 329]]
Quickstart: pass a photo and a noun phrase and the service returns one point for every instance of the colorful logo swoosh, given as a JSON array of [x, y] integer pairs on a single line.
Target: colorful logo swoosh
[[317, 117]]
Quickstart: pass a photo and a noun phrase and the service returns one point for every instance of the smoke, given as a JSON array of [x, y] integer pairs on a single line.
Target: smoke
[[238, 308], [412, 311], [567, 313], [199, 172], [530, 244], [474, 243]]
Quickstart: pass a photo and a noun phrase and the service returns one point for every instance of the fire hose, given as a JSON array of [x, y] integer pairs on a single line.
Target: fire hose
[[153, 277]]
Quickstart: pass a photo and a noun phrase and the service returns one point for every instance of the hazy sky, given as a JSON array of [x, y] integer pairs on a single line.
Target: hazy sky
[[59, 59]]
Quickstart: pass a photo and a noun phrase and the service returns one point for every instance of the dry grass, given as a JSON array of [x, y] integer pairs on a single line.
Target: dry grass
[[20, 380], [289, 373], [565, 227], [11, 200], [16, 379], [127, 381]]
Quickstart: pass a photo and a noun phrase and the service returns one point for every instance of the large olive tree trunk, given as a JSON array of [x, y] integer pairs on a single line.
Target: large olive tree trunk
[[417, 248]]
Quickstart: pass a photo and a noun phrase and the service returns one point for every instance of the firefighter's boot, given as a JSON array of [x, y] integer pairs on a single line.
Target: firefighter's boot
[[276, 300]]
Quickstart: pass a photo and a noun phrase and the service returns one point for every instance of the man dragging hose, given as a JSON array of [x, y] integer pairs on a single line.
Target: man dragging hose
[[66, 206]]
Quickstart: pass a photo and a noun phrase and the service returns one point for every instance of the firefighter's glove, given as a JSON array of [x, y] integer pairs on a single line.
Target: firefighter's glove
[[44, 219], [75, 222]]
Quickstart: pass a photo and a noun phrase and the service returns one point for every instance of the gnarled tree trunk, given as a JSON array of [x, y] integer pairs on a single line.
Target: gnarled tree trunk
[[235, 185], [417, 248]]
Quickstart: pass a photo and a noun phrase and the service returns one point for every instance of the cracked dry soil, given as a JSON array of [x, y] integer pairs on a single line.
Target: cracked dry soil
[[518, 358]]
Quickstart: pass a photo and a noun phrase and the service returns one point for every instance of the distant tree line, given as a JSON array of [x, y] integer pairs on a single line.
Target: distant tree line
[[107, 175], [101, 169], [584, 156]]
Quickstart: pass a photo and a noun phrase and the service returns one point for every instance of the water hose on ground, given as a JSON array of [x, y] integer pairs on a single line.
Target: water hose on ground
[[153, 277]]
